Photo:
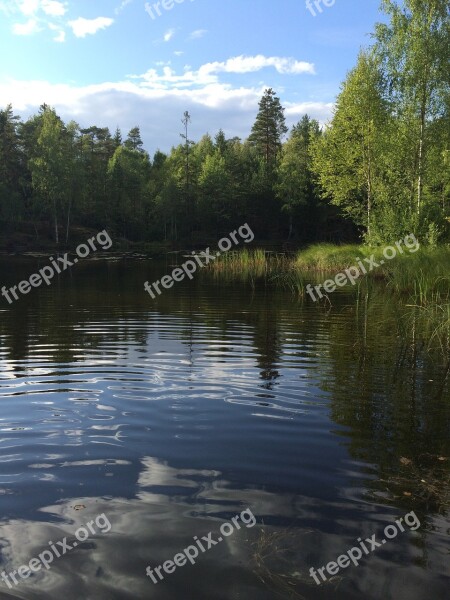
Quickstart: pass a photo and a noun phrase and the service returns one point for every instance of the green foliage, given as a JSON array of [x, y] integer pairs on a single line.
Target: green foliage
[[11, 194], [424, 274], [348, 158], [58, 173], [384, 157], [269, 128], [378, 172], [127, 177], [295, 188], [51, 167], [133, 141]]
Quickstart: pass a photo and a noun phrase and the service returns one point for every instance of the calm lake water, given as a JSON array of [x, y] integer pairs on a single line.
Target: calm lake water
[[173, 416]]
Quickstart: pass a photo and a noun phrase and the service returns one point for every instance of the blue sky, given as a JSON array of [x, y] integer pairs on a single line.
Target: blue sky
[[109, 63]]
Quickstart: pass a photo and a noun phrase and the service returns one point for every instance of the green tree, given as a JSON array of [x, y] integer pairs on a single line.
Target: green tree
[[11, 167], [133, 141], [117, 137], [414, 47], [214, 188], [347, 159], [96, 147], [269, 127], [220, 142], [50, 170], [295, 187], [128, 187]]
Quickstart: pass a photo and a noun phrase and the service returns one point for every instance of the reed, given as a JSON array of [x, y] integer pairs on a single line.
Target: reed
[[322, 258], [420, 278], [248, 265], [417, 283]]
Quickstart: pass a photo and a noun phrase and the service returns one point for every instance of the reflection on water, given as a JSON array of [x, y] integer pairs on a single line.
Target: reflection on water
[[172, 416]]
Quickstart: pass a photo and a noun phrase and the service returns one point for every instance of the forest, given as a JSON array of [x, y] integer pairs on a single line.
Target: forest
[[377, 171]]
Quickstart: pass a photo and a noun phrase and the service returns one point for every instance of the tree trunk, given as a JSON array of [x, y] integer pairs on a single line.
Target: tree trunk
[[56, 222], [423, 114], [290, 228], [369, 199], [68, 221], [420, 163]]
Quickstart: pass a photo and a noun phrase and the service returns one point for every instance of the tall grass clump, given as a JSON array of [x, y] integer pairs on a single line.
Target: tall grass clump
[[425, 275], [328, 257], [248, 265], [421, 278]]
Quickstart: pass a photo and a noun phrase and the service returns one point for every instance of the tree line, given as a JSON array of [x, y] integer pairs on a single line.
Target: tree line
[[379, 170]]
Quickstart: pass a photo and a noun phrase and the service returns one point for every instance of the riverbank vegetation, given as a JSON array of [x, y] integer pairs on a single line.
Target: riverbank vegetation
[[425, 274], [418, 283]]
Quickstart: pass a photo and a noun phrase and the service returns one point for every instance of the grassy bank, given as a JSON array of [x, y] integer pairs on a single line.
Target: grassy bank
[[419, 281], [424, 273]]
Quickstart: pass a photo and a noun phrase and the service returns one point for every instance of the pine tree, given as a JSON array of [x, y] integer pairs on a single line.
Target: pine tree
[[117, 138], [269, 127], [220, 142], [134, 141]]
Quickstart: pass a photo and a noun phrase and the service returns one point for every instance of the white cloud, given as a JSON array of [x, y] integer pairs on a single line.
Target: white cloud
[[120, 8], [157, 99], [322, 111], [249, 64], [7, 7], [28, 7], [61, 37], [39, 14], [126, 103], [82, 27], [27, 28], [207, 74], [198, 33], [169, 35], [53, 8]]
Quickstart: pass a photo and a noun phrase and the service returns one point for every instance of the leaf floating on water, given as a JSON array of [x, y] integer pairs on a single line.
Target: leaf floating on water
[[405, 461]]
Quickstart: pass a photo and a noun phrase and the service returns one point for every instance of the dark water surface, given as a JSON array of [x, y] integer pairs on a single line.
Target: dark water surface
[[173, 416]]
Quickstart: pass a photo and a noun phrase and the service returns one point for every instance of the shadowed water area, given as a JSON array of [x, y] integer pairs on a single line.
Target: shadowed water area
[[172, 416]]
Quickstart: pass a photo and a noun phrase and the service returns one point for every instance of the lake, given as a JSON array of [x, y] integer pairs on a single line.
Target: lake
[[168, 418]]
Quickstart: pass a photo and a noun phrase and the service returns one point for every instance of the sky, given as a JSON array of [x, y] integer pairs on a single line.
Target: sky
[[121, 63]]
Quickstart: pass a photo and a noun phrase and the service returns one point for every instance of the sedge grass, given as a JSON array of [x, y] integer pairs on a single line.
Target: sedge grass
[[422, 278]]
